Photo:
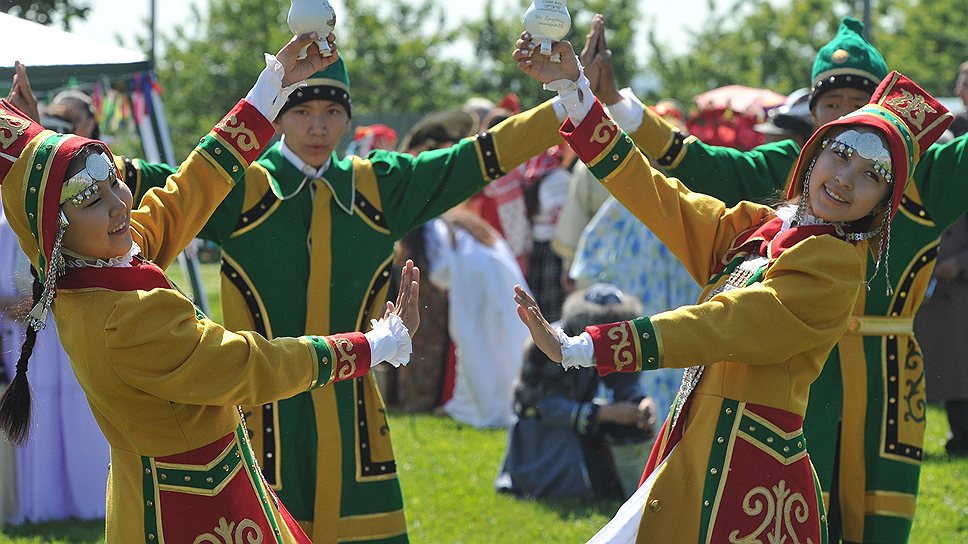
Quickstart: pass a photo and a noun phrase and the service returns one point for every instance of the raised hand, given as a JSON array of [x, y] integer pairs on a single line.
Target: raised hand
[[594, 42], [598, 66], [300, 69], [407, 305], [545, 337], [21, 94], [541, 67]]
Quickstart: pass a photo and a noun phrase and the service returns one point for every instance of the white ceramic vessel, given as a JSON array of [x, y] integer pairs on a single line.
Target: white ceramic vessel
[[312, 16], [547, 21]]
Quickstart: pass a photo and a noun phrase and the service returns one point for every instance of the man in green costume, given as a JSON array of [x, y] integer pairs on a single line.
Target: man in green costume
[[865, 420], [307, 240]]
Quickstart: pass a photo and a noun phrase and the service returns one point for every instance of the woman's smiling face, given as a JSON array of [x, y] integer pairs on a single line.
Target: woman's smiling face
[[99, 226], [850, 178]]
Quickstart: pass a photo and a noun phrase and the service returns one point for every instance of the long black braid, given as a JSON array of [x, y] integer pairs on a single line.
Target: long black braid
[[15, 403]]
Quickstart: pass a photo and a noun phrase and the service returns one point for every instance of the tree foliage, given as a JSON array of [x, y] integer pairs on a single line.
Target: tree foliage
[[212, 62], [46, 12], [395, 56], [762, 44], [405, 57], [493, 73]]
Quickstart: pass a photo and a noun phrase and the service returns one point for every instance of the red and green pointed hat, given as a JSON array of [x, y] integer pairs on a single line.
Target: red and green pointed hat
[[33, 168]]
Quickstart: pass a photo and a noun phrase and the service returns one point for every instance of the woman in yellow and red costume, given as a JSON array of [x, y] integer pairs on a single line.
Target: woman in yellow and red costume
[[731, 464], [164, 382]]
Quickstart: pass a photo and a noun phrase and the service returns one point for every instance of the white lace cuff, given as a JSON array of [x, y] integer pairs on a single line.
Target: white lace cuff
[[389, 341], [574, 99], [627, 112], [576, 351], [268, 95]]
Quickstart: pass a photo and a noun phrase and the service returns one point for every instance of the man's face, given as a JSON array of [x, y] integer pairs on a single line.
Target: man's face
[[961, 87], [313, 129], [837, 103]]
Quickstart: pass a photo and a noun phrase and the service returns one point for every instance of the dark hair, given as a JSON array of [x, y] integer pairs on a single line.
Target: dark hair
[[15, 403]]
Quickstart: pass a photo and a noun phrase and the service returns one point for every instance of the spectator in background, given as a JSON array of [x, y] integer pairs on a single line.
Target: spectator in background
[[502, 202], [943, 311], [560, 445], [9, 340], [368, 138], [77, 107], [959, 125], [547, 180], [619, 249], [468, 259], [421, 387], [789, 121]]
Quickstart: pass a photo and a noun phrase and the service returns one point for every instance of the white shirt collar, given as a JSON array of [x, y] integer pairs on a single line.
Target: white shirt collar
[[306, 169]]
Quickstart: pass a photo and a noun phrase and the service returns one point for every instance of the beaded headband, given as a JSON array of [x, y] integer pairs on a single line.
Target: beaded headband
[[869, 146], [83, 185]]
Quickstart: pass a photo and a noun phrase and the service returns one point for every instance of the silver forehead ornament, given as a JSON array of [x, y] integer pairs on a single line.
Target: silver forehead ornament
[[869, 146]]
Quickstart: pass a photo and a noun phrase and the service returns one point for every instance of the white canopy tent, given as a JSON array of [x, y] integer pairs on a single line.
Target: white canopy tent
[[56, 59]]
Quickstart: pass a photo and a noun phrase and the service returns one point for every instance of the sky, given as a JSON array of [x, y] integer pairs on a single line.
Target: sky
[[110, 19]]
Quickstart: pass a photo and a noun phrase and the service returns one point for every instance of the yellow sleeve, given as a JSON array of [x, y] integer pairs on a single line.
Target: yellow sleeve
[[697, 228], [803, 302], [171, 216], [156, 343]]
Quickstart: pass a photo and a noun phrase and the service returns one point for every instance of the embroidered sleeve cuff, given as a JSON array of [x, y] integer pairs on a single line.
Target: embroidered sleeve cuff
[[340, 357], [237, 140], [390, 341], [627, 346], [599, 142], [628, 112]]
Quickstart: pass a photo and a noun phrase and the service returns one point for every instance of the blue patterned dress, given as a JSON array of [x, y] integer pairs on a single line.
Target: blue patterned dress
[[617, 248]]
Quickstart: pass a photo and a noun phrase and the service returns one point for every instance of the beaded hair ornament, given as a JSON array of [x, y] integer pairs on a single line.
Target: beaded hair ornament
[[80, 188]]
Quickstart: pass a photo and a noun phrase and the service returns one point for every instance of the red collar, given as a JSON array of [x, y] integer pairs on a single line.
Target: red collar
[[142, 275], [770, 241]]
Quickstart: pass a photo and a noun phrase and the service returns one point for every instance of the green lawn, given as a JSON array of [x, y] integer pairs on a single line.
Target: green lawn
[[447, 469]]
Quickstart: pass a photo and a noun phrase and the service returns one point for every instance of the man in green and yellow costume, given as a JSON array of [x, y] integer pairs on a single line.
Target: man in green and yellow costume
[[307, 239], [865, 419]]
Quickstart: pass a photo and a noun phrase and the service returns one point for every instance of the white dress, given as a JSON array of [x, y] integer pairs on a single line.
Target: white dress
[[62, 469], [483, 322]]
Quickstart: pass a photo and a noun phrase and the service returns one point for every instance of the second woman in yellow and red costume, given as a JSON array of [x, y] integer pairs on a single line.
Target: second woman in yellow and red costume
[[779, 285]]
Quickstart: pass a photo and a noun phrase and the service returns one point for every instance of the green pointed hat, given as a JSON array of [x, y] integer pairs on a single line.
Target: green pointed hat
[[848, 60], [331, 84]]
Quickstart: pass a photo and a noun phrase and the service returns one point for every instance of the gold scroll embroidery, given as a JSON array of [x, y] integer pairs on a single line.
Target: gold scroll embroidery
[[244, 137]]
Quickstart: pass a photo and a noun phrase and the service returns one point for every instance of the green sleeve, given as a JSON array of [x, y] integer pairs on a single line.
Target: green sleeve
[[140, 176], [732, 175], [225, 218], [940, 179], [414, 190]]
